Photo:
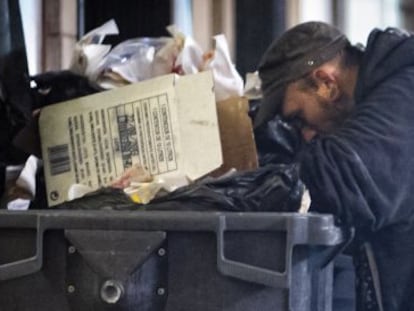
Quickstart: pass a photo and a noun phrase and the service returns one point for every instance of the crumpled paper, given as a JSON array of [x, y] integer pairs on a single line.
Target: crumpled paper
[[138, 184], [227, 81], [252, 88], [22, 191], [89, 50]]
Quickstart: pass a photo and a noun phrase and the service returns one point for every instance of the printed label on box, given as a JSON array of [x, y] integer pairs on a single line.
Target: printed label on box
[[91, 142]]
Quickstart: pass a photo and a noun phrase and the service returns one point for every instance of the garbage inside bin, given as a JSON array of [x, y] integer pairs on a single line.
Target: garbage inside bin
[[139, 59], [20, 187], [277, 142], [272, 187], [236, 135], [46, 89], [140, 186], [106, 198], [57, 86], [167, 124]]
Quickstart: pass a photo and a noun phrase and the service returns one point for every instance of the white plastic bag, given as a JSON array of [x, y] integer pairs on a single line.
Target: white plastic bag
[[227, 81], [138, 59], [252, 88], [89, 51]]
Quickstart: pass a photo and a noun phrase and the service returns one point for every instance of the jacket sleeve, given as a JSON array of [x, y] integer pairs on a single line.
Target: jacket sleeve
[[363, 172]]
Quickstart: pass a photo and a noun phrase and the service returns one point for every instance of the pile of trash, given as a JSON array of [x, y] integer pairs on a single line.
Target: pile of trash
[[141, 59], [273, 185]]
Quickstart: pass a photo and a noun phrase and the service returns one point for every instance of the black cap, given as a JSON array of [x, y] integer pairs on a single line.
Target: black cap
[[297, 52]]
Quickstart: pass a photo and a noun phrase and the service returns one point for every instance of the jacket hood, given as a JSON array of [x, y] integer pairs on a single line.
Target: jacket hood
[[386, 53]]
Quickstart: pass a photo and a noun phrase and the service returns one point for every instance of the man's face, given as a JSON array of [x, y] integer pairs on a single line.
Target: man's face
[[314, 112]]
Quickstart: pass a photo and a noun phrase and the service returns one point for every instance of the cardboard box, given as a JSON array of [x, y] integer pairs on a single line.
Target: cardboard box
[[236, 136], [168, 124]]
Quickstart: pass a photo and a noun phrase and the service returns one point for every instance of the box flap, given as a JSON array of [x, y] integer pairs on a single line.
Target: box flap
[[200, 137]]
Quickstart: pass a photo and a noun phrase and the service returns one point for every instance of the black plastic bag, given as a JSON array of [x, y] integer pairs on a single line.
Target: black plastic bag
[[56, 86], [277, 142], [101, 199], [269, 188]]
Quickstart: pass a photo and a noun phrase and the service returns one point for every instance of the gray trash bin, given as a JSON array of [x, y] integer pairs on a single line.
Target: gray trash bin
[[112, 260]]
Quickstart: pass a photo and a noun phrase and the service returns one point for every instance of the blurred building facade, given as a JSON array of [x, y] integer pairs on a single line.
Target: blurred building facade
[[53, 26]]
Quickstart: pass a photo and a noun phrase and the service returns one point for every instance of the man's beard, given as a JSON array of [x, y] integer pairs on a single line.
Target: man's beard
[[336, 113]]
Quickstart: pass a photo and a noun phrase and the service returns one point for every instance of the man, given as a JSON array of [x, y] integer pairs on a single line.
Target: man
[[355, 109]]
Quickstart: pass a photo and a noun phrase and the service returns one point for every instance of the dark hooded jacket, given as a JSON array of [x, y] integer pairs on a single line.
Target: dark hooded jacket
[[364, 172]]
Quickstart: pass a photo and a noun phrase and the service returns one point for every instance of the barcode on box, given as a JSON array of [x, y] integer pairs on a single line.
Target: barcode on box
[[59, 159]]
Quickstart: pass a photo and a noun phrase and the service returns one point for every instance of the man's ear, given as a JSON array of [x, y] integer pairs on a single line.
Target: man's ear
[[327, 84]]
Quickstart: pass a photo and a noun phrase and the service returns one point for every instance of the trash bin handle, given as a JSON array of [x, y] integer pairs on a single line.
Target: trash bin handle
[[249, 272], [349, 235], [25, 266]]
